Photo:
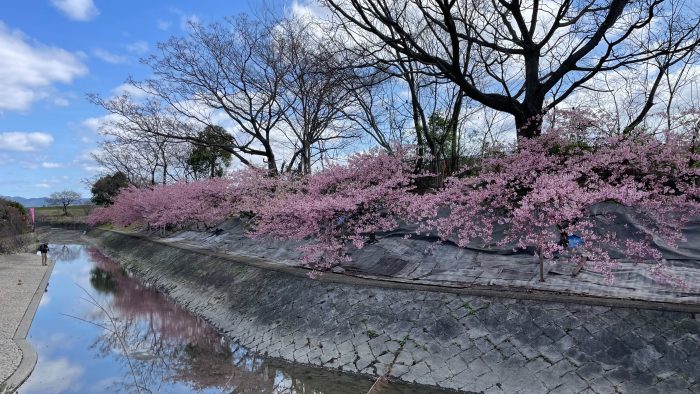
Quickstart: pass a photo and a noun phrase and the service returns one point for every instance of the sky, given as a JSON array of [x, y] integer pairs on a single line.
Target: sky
[[54, 52]]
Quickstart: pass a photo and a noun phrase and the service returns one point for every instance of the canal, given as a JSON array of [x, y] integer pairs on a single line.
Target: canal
[[100, 330]]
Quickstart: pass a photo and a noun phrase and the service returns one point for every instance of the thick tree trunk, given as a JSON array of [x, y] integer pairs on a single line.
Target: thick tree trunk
[[454, 130], [528, 125], [421, 126], [307, 159]]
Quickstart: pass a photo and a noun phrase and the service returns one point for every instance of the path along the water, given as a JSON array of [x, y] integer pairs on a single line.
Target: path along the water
[[22, 283]]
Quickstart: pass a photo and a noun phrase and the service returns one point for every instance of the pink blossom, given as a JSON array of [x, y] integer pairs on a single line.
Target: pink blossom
[[571, 180]]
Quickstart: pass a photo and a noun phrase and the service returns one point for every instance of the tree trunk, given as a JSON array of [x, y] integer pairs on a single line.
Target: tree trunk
[[454, 129], [528, 125], [307, 159], [165, 167], [271, 162]]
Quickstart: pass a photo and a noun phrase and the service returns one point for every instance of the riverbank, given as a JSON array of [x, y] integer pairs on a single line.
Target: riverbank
[[22, 283], [418, 260], [460, 341]]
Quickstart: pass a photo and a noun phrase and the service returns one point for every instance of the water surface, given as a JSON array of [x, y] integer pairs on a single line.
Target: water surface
[[100, 330]]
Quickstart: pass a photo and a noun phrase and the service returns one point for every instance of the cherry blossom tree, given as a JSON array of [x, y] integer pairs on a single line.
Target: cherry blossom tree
[[340, 206], [207, 202], [559, 184], [572, 180]]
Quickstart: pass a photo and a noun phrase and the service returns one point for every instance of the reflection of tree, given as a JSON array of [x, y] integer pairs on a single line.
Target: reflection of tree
[[65, 253], [167, 344], [101, 281]]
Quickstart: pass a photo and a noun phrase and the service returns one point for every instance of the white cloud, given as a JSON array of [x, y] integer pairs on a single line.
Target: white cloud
[[139, 47], [306, 9], [79, 10], [95, 124], [130, 90], [93, 168], [28, 70], [109, 57], [59, 374], [163, 24], [25, 142], [43, 185], [48, 164], [61, 102], [45, 300], [185, 19], [92, 124]]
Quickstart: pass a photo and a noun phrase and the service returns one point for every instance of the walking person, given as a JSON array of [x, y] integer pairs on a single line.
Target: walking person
[[44, 249]]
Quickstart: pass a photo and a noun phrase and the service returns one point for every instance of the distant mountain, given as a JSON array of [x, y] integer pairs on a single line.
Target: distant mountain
[[40, 201]]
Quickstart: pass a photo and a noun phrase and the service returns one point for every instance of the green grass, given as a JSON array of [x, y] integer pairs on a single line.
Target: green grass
[[55, 215], [73, 210]]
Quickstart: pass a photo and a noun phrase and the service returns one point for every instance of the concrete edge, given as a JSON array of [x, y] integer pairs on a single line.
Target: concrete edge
[[29, 354], [477, 290]]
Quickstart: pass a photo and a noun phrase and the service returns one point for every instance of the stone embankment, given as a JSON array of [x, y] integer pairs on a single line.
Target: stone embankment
[[458, 341]]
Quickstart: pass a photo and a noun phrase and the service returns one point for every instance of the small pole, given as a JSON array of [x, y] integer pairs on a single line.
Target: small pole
[[539, 254]]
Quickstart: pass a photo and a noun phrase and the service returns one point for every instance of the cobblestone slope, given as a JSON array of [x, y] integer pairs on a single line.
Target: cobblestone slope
[[469, 343]]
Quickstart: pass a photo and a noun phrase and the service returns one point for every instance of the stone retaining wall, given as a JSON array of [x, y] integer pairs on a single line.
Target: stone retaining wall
[[470, 343]]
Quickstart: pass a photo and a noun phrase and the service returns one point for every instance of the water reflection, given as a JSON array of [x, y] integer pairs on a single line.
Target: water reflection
[[65, 253], [126, 337]]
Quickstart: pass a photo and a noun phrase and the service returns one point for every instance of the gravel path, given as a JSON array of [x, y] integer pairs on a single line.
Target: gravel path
[[20, 278]]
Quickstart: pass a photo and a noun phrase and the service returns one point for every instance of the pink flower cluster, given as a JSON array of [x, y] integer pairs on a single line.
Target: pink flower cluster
[[563, 184], [178, 204], [566, 182], [339, 206]]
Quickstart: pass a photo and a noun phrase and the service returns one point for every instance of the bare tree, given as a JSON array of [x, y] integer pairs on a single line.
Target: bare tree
[[64, 199], [519, 57], [684, 79], [140, 141], [380, 78], [231, 69], [377, 107], [317, 92]]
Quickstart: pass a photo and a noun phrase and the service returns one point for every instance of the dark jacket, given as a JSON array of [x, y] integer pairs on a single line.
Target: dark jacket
[[44, 248]]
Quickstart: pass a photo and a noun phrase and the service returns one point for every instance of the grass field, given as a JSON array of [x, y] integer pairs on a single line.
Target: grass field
[[73, 210], [54, 215]]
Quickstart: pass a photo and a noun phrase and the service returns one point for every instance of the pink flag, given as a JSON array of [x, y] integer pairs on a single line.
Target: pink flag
[[31, 213]]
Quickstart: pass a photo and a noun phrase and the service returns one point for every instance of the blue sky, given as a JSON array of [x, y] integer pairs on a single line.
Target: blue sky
[[53, 52]]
